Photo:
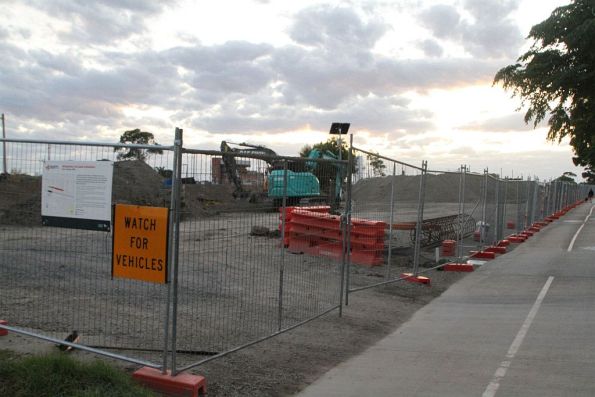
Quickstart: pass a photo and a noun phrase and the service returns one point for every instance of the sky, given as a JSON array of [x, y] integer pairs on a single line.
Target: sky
[[413, 77]]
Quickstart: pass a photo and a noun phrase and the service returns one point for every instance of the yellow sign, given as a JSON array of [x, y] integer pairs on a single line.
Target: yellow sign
[[140, 243]]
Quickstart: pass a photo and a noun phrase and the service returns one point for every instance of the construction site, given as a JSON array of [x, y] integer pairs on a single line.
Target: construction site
[[278, 268]]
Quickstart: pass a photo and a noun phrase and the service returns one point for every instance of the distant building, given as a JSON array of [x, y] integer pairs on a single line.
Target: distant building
[[255, 179]]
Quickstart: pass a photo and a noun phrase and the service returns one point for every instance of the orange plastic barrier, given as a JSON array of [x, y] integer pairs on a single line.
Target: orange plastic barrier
[[318, 233]]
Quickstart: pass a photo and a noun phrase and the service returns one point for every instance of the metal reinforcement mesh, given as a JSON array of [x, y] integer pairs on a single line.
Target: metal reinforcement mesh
[[258, 243], [58, 279], [384, 212], [258, 256]]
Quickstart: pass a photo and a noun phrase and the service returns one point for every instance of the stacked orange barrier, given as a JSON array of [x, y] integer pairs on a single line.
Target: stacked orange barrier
[[319, 234], [449, 247], [289, 210]]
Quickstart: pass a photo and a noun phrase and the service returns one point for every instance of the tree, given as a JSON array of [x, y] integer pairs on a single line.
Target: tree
[[140, 138], [327, 172], [556, 78], [331, 144], [377, 165], [566, 177]]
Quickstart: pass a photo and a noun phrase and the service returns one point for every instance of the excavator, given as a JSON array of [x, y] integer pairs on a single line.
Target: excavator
[[301, 181]]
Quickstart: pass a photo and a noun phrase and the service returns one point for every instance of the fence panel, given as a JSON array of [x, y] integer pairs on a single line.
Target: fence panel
[[384, 214], [248, 268], [58, 279]]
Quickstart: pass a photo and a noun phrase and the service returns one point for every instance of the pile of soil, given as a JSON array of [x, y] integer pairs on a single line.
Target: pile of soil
[[442, 188], [134, 182], [20, 200]]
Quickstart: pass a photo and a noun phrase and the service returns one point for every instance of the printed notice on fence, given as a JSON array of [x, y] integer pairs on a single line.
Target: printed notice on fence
[[140, 243], [77, 194]]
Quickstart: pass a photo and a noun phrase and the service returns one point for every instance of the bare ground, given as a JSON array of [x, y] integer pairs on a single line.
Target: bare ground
[[279, 366]]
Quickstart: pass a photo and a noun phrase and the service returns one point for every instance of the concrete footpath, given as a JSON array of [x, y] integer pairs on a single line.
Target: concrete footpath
[[521, 325]]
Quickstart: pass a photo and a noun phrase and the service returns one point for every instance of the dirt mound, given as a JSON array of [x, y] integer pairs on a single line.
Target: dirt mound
[[20, 200], [135, 182], [442, 188]]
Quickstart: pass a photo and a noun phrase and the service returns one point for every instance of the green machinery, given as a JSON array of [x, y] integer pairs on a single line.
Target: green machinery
[[301, 181]]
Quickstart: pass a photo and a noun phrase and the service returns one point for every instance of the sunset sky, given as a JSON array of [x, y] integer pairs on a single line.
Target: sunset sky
[[414, 78]]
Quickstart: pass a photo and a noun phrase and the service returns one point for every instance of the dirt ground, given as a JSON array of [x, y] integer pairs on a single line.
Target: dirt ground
[[283, 365], [55, 279]]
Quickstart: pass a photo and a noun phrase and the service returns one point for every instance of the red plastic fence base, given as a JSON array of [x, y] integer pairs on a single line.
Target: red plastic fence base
[[3, 332], [415, 279], [503, 243], [483, 254], [496, 250], [458, 267], [517, 239], [180, 385]]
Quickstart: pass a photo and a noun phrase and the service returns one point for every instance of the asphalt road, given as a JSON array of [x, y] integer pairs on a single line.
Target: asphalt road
[[521, 325]]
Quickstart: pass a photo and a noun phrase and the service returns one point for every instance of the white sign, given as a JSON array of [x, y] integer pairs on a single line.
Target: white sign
[[77, 194]]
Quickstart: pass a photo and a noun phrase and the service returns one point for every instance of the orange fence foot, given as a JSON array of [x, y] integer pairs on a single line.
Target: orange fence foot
[[180, 385], [458, 267], [517, 239], [3, 332], [482, 255], [496, 249], [415, 279]]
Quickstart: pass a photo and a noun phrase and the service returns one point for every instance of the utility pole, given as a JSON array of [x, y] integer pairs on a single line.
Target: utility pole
[[4, 171]]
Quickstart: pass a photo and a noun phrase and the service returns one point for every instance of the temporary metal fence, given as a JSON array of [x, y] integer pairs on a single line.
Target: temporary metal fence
[[258, 243], [56, 280], [385, 209], [241, 269]]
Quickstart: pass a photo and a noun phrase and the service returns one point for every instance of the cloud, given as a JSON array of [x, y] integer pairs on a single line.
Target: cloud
[[330, 72], [431, 48], [373, 114], [491, 35], [510, 123], [101, 21], [443, 21], [335, 29]]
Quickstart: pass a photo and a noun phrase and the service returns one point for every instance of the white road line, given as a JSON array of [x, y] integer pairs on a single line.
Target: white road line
[[492, 388], [579, 230]]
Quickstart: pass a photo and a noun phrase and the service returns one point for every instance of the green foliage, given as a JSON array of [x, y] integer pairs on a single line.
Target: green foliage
[[140, 138], [556, 78], [377, 165], [327, 173], [162, 171], [331, 144], [60, 375], [567, 177], [589, 175]]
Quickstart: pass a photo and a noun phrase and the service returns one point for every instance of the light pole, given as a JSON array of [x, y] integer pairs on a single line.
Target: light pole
[[339, 129]]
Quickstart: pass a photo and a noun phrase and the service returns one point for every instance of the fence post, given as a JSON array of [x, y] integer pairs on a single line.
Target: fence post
[[482, 227], [420, 216], [391, 220], [174, 243], [4, 166], [519, 210], [282, 262], [529, 209], [346, 232], [499, 215], [463, 171]]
